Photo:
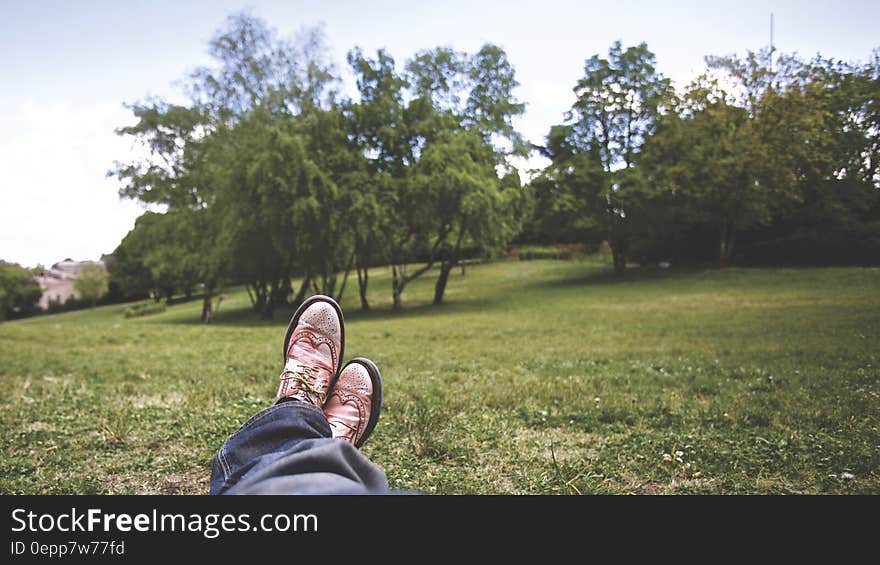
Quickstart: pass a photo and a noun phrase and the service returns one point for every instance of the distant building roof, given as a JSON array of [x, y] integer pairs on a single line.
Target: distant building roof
[[57, 282]]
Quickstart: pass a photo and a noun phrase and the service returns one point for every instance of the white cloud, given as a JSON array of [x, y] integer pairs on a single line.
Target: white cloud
[[56, 199]]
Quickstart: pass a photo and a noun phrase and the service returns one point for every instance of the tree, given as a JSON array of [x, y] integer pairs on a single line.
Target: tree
[[346, 208], [282, 210], [91, 283], [254, 67], [740, 153], [468, 204], [451, 94], [570, 184], [19, 292], [258, 87], [128, 271], [712, 160], [166, 254], [837, 215], [491, 103], [379, 123], [618, 102]]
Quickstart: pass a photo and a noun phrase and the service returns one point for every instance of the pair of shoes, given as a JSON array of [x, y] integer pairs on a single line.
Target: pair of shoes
[[351, 398]]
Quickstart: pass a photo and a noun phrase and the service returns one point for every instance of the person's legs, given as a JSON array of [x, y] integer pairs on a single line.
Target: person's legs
[[288, 449], [292, 447]]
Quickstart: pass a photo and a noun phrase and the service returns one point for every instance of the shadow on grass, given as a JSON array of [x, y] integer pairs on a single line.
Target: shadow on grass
[[607, 276], [246, 317]]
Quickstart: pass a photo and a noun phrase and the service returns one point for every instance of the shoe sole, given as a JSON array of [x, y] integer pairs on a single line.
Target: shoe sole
[[295, 320], [375, 400]]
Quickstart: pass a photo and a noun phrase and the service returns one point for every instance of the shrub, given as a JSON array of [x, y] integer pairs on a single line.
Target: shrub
[[562, 252], [144, 309]]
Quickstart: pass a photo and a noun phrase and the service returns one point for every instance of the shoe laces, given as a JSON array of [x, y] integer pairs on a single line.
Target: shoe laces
[[304, 376], [348, 434]]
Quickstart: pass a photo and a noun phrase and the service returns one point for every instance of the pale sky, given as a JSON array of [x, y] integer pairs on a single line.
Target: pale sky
[[67, 67]]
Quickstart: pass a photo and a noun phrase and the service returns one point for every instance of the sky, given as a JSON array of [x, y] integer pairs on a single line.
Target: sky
[[67, 69]]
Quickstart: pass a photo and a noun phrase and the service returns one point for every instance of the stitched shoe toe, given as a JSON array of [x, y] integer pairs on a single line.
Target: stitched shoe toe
[[354, 404]]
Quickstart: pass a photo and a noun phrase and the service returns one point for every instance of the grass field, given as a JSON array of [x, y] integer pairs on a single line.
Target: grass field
[[540, 376]]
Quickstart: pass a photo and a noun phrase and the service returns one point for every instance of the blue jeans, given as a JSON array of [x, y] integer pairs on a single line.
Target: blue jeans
[[288, 448]]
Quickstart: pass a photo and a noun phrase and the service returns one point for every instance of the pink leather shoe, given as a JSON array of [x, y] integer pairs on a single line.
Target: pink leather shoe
[[313, 347], [355, 401]]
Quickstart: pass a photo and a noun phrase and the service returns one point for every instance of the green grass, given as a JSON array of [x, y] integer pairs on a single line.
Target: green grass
[[539, 376]]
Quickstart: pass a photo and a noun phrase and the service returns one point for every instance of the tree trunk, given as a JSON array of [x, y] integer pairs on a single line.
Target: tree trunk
[[268, 312], [284, 291], [618, 255], [615, 241], [395, 293], [344, 280], [276, 294], [447, 264], [261, 296], [396, 288], [280, 291], [363, 280], [440, 287], [207, 309], [303, 289], [725, 250]]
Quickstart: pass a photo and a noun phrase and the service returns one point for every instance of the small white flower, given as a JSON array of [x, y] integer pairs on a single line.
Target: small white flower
[[847, 476], [597, 399], [679, 453], [667, 457]]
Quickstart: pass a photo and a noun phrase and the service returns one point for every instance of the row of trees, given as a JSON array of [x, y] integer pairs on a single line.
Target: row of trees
[[270, 177], [773, 147]]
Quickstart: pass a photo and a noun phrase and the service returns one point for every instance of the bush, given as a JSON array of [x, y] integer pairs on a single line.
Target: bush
[[92, 282], [55, 305], [19, 292], [144, 309], [562, 252]]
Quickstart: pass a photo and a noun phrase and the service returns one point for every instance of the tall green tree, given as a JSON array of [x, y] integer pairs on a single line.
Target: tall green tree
[[92, 283], [470, 206], [618, 101], [379, 123], [742, 147], [837, 214], [570, 184], [258, 86], [164, 254], [491, 104], [450, 94], [255, 67], [280, 211], [713, 161]]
